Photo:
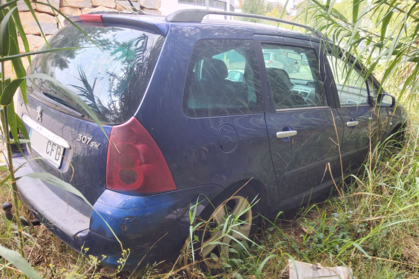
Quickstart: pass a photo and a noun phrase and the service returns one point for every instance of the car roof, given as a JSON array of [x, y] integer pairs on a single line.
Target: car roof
[[258, 28], [161, 25]]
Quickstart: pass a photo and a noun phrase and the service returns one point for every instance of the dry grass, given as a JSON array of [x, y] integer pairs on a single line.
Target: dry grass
[[377, 234]]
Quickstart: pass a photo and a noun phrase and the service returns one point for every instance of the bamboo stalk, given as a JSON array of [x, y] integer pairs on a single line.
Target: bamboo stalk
[[5, 121]]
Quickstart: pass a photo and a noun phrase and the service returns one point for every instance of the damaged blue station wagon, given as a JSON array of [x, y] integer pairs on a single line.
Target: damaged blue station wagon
[[192, 109]]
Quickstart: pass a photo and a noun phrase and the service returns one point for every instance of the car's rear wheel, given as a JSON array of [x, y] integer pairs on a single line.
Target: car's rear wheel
[[232, 218]]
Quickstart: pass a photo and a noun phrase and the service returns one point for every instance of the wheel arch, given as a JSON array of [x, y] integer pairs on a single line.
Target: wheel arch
[[255, 184], [398, 128]]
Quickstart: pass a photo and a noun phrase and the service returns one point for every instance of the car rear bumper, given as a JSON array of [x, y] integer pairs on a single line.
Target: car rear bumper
[[64, 214], [153, 228]]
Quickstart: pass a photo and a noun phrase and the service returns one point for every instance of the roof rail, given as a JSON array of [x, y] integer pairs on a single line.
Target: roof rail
[[197, 15], [140, 12]]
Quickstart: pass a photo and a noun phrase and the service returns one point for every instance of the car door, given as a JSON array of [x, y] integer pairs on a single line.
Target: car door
[[302, 123], [223, 139], [355, 109], [381, 114]]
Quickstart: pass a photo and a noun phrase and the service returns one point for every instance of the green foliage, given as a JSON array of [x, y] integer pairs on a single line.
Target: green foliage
[[6, 97], [269, 7], [373, 227], [21, 32], [15, 56], [386, 21], [382, 34], [253, 7], [4, 32], [32, 11], [10, 27], [18, 261], [275, 12], [7, 4], [355, 10]]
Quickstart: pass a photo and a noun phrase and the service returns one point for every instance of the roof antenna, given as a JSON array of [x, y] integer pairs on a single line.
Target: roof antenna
[[132, 6]]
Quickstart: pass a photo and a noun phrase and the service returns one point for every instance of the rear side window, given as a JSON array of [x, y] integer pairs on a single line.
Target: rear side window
[[223, 79], [110, 70]]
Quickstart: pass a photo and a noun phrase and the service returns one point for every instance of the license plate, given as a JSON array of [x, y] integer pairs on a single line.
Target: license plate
[[47, 148]]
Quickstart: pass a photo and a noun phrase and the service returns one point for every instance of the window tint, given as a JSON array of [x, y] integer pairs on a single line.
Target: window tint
[[110, 74], [350, 84], [223, 79], [294, 77]]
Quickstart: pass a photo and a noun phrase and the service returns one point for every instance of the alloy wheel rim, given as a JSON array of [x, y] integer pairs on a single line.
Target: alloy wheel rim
[[213, 231]]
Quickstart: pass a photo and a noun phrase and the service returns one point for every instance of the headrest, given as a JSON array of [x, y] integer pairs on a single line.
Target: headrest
[[280, 75], [214, 69]]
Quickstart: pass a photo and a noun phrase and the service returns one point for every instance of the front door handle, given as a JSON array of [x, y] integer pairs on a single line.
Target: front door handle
[[352, 123], [285, 134]]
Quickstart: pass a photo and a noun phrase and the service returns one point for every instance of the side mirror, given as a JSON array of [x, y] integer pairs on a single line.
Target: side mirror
[[386, 100]]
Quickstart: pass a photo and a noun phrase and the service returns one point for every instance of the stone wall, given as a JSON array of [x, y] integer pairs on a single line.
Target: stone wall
[[50, 24]]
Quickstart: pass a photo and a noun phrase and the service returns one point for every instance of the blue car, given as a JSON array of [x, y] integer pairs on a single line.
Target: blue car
[[177, 134]]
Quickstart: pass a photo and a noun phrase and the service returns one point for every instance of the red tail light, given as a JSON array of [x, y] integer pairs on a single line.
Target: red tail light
[[135, 162], [91, 18], [270, 62]]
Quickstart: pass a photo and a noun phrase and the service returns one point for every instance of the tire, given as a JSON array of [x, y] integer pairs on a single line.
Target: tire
[[398, 137], [216, 217]]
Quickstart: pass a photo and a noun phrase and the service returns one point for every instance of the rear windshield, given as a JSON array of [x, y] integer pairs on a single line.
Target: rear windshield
[[110, 71]]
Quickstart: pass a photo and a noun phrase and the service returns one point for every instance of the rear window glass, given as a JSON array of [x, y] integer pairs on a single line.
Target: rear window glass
[[110, 71], [223, 79]]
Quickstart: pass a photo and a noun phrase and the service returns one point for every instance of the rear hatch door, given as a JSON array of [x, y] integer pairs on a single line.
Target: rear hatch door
[[110, 71]]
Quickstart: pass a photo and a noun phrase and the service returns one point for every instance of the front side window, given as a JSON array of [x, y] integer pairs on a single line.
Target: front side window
[[223, 79], [294, 76], [350, 84], [374, 89]]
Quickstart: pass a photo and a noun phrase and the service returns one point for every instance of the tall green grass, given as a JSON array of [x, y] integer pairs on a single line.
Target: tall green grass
[[372, 227], [377, 235], [11, 123]]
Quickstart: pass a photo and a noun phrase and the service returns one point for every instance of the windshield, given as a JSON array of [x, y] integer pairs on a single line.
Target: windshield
[[109, 71]]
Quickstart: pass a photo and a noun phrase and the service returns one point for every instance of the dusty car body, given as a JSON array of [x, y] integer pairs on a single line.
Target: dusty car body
[[176, 130]]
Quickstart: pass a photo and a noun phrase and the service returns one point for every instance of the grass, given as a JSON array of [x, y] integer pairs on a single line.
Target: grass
[[373, 228]]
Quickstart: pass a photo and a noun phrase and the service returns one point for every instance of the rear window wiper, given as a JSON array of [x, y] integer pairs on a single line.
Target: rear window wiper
[[55, 103]]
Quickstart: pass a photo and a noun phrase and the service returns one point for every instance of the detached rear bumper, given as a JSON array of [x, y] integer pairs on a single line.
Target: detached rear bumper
[[153, 228]]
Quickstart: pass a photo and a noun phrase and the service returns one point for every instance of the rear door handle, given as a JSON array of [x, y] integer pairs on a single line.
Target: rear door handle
[[352, 123], [285, 134]]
